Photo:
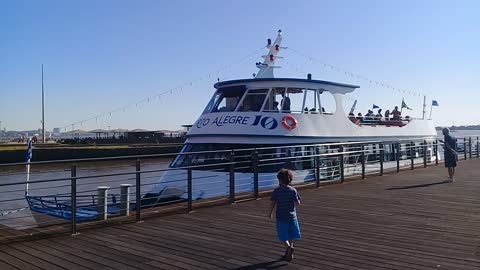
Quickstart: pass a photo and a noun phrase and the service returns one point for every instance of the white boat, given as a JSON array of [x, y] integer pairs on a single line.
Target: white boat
[[267, 111]]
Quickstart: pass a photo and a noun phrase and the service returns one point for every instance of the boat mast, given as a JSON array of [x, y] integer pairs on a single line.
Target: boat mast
[[43, 111], [266, 68]]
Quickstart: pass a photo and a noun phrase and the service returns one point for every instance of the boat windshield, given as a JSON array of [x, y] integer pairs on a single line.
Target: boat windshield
[[225, 99]]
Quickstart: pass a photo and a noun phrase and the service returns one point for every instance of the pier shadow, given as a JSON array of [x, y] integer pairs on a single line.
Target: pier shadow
[[278, 264], [419, 186]]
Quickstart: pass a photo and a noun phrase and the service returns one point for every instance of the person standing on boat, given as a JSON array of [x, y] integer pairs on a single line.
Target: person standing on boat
[[397, 115], [450, 153], [285, 103], [284, 199]]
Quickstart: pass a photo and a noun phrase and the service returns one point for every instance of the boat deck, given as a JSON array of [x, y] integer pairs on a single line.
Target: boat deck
[[400, 221]]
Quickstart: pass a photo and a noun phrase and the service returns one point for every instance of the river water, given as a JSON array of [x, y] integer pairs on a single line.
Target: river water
[[12, 197]]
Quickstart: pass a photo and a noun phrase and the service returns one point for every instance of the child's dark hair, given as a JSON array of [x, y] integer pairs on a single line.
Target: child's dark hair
[[285, 176]]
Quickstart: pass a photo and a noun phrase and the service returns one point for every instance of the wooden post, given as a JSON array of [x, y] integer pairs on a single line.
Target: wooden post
[[232, 178], [342, 164], [189, 184], [424, 153], [125, 199], [102, 202], [73, 198], [412, 161], [317, 166], [138, 194], [363, 161], [255, 173], [478, 153], [470, 147], [382, 156], [397, 156]]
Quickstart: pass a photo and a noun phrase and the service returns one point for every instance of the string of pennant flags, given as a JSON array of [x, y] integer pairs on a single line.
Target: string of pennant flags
[[158, 96], [357, 76]]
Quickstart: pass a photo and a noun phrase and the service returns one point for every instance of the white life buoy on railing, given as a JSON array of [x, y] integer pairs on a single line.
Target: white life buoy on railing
[[289, 122]]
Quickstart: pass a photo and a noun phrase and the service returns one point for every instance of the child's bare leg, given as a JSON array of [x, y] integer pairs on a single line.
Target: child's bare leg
[[286, 244], [291, 243]]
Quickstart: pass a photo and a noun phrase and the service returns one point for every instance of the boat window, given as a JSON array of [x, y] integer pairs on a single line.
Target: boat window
[[253, 100], [292, 101], [225, 99], [327, 102], [311, 102], [273, 100]]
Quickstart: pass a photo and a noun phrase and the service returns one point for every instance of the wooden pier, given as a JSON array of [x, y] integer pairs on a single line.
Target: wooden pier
[[411, 220]]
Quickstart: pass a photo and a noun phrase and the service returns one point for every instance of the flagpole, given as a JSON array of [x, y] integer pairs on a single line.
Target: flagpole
[[43, 111], [424, 111], [431, 108], [401, 109]]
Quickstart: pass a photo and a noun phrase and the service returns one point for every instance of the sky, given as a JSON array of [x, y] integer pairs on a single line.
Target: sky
[[110, 55]]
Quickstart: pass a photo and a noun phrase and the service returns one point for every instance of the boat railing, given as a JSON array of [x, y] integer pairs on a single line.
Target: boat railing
[[131, 191]]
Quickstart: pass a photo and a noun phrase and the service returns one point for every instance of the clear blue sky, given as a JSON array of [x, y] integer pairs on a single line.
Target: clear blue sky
[[101, 55]]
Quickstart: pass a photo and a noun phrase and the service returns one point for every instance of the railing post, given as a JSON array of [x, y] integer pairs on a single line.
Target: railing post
[[232, 177], [424, 153], [478, 153], [138, 194], [189, 184], [382, 156], [465, 148], [436, 152], [102, 202], [255, 173], [397, 156], [342, 164], [363, 161], [412, 161], [470, 147], [73, 195], [125, 199], [317, 166]]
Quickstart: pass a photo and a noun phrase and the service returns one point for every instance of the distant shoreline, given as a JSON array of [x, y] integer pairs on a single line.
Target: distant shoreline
[[474, 127], [16, 153]]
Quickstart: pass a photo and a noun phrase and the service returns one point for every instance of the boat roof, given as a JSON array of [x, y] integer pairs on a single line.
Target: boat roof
[[333, 87]]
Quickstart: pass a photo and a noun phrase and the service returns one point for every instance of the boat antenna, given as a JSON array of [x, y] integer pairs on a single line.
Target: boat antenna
[[266, 68]]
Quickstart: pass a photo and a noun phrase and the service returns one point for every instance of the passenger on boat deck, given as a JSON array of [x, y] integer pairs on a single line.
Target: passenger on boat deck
[[369, 117], [387, 115], [396, 114], [360, 117], [352, 118], [275, 106], [379, 115], [285, 103]]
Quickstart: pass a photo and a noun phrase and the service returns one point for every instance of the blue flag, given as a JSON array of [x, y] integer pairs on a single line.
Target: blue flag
[[434, 103], [375, 107], [28, 156]]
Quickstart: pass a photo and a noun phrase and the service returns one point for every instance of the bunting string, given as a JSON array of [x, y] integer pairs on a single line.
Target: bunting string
[[216, 73]]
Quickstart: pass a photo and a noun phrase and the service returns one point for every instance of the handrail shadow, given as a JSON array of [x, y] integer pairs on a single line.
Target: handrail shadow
[[419, 186]]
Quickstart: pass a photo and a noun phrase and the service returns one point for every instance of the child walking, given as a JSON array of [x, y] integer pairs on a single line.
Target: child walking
[[284, 198]]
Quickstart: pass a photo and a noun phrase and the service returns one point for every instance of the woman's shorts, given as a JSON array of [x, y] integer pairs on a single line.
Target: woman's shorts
[[288, 229]]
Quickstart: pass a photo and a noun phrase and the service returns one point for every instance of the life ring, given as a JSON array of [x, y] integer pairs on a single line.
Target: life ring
[[289, 122]]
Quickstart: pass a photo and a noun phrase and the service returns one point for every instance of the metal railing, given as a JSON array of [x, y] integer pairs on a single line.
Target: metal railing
[[76, 194]]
